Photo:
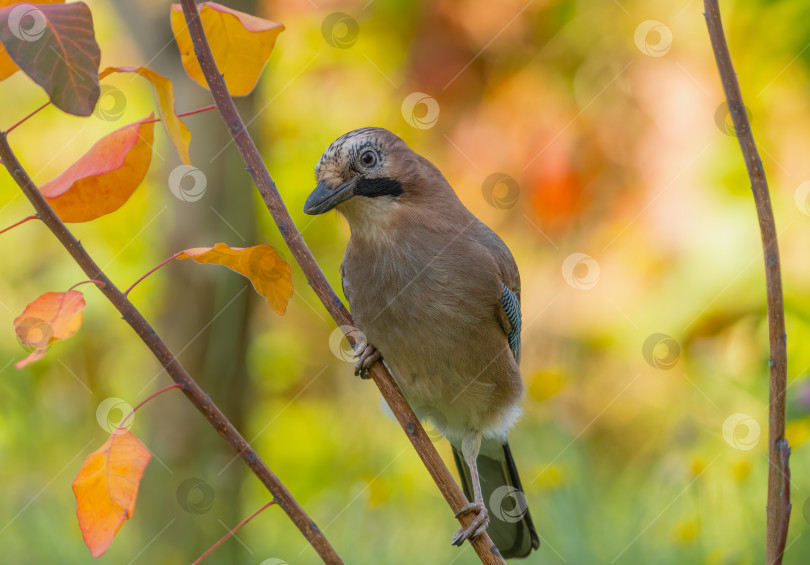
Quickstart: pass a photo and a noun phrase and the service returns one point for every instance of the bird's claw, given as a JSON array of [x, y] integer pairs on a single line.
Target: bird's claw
[[477, 527], [366, 355]]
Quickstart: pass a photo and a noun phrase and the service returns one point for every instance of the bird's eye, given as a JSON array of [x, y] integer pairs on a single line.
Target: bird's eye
[[369, 158]]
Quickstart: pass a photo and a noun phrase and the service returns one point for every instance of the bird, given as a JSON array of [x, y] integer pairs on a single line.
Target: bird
[[435, 295]]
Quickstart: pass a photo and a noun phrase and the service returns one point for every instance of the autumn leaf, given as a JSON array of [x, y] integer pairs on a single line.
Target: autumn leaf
[[177, 131], [106, 488], [104, 178], [7, 66], [52, 316], [241, 44], [269, 273], [55, 45]]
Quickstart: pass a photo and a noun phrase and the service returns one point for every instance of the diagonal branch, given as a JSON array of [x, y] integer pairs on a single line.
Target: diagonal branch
[[483, 545], [159, 348], [778, 449]]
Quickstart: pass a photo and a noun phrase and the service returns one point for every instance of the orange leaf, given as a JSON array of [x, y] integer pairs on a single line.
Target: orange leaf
[[240, 43], [269, 273], [106, 488], [164, 93], [52, 316], [105, 177], [7, 66]]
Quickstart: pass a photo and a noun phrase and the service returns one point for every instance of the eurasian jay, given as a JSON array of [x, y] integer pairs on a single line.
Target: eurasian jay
[[436, 293]]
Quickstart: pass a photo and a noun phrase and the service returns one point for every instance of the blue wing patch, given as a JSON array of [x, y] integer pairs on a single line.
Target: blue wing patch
[[511, 306]]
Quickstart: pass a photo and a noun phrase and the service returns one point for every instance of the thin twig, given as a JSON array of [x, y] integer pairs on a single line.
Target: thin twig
[[778, 510], [191, 389], [100, 284], [145, 400], [14, 225], [12, 128], [232, 532], [127, 291], [483, 545]]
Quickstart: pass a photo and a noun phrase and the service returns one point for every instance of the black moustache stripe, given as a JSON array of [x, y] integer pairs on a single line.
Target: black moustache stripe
[[372, 188]]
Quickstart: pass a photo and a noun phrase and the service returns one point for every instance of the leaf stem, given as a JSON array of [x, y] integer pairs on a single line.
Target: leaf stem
[[184, 114], [9, 130], [158, 393], [34, 217], [232, 532], [126, 292], [101, 284]]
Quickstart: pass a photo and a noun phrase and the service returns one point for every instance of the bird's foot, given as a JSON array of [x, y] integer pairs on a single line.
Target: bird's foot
[[366, 355], [477, 527]]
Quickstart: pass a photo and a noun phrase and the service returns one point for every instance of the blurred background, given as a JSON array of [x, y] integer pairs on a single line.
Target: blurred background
[[593, 137]]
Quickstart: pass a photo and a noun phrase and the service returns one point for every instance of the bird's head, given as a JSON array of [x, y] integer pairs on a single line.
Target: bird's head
[[359, 167]]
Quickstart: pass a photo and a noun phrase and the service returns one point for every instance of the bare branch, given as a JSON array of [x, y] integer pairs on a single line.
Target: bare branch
[[778, 449], [159, 348], [483, 545]]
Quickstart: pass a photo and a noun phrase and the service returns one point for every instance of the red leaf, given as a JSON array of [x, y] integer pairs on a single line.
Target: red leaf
[[56, 46]]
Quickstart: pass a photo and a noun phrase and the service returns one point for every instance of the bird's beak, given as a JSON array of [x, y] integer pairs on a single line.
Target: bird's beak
[[323, 198]]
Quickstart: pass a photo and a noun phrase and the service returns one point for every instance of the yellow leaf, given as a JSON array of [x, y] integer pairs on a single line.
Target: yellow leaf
[[177, 131], [269, 273], [797, 432], [240, 43], [106, 488]]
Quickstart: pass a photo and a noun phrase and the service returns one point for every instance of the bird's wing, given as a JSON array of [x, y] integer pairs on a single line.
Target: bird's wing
[[509, 314]]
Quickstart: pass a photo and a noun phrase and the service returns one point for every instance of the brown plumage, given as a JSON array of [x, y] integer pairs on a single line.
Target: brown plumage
[[425, 282]]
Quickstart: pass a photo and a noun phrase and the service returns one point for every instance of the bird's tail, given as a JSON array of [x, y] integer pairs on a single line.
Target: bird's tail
[[510, 526]]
